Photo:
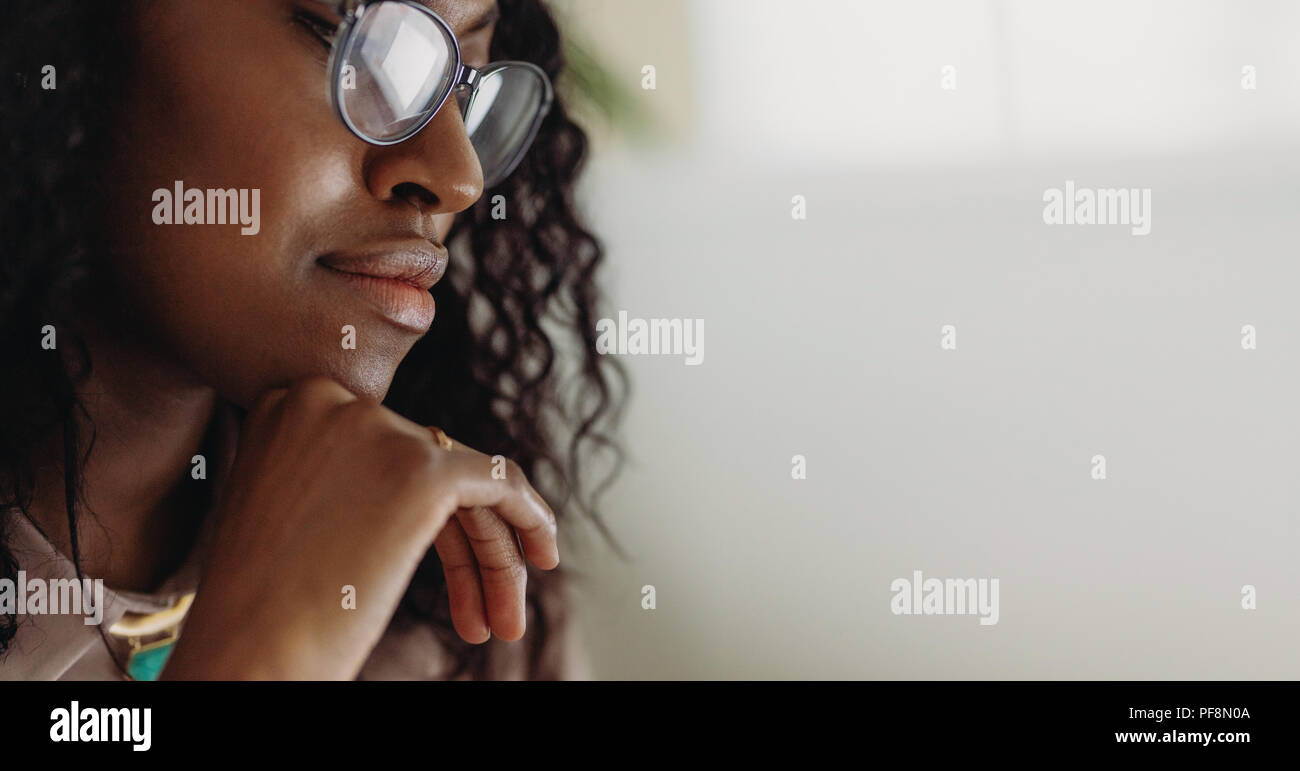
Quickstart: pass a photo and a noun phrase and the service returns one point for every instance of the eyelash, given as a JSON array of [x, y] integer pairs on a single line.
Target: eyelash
[[318, 27]]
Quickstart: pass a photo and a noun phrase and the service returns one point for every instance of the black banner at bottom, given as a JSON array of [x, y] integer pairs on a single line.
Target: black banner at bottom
[[989, 719]]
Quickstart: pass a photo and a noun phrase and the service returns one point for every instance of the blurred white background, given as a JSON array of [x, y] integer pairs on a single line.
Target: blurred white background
[[924, 208]]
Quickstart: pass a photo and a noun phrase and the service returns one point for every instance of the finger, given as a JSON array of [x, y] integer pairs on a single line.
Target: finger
[[464, 589], [501, 570], [512, 498]]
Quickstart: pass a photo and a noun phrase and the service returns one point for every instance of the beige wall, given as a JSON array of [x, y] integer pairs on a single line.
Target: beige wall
[[822, 339]]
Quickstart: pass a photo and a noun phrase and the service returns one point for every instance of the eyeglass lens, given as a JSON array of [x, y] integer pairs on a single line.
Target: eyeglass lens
[[501, 117], [402, 62]]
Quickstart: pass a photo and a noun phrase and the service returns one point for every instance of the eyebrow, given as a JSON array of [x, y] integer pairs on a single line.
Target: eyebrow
[[487, 19]]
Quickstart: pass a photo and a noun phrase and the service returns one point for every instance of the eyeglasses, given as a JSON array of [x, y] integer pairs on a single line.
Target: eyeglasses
[[393, 64]]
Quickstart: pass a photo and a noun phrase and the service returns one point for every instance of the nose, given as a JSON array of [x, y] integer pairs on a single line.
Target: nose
[[437, 169]]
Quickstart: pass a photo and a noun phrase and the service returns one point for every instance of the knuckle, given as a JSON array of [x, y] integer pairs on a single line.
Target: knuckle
[[313, 384], [552, 525], [361, 413], [265, 406], [308, 391], [407, 465], [416, 455], [515, 475], [513, 572], [266, 400]]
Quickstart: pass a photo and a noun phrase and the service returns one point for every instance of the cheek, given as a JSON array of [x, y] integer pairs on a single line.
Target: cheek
[[238, 310]]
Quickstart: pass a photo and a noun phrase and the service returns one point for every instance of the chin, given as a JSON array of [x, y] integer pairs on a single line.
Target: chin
[[367, 371], [370, 378]]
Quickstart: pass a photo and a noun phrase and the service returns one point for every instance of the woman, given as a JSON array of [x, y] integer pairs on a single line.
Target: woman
[[225, 229]]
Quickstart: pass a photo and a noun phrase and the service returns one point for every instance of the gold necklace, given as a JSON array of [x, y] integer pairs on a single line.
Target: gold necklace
[[151, 637]]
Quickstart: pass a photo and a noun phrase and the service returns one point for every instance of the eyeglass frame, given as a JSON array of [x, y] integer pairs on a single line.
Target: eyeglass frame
[[465, 76]]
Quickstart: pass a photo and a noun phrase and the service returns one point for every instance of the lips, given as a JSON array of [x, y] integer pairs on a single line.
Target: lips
[[421, 266], [394, 280]]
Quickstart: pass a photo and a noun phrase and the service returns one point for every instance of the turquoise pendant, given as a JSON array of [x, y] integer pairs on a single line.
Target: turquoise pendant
[[147, 663]]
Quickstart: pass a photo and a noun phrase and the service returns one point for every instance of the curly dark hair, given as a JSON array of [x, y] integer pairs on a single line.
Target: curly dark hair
[[520, 291]]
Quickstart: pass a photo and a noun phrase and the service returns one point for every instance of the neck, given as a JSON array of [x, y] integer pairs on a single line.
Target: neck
[[148, 419]]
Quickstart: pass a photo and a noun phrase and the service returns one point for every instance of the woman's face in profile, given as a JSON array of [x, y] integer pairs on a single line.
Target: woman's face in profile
[[235, 95]]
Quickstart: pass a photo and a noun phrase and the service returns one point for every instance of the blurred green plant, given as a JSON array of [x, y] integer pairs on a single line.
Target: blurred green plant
[[590, 81]]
